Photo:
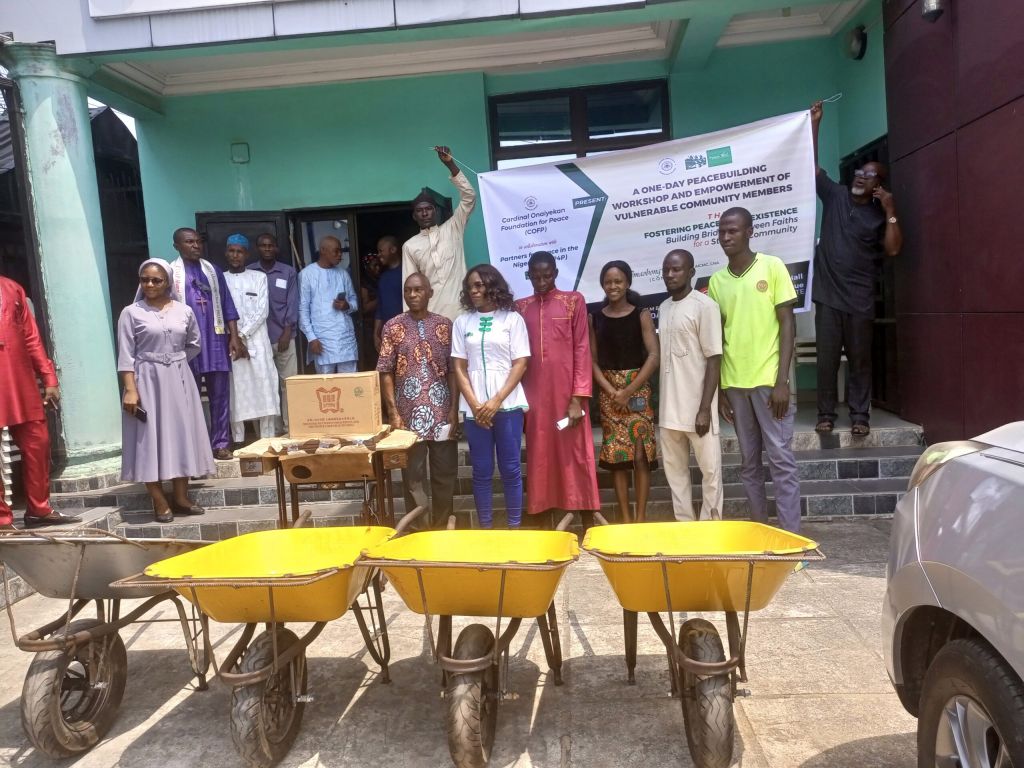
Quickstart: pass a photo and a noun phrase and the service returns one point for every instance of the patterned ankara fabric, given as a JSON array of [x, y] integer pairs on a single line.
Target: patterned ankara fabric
[[418, 353], [622, 432]]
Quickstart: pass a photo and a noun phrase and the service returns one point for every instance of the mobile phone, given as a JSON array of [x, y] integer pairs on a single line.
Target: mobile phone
[[636, 404], [141, 415], [340, 297]]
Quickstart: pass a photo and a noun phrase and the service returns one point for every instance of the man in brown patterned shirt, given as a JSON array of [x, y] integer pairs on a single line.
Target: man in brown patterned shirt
[[421, 395]]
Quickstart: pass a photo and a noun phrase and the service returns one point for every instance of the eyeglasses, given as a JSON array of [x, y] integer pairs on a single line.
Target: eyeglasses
[[152, 280], [866, 174]]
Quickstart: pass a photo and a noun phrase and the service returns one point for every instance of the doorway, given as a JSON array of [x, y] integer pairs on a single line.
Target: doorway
[[299, 231]]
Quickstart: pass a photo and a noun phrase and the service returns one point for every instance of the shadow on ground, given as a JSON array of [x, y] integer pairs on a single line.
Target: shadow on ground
[[892, 751]]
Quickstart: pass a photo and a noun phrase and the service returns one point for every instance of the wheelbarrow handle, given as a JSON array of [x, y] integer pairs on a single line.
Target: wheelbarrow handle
[[600, 519], [304, 519], [408, 519], [565, 522]]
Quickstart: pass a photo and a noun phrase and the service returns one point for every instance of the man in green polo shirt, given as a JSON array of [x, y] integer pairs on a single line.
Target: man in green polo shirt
[[756, 296]]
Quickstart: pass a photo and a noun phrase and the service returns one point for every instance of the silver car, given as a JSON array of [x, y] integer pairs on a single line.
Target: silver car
[[953, 619]]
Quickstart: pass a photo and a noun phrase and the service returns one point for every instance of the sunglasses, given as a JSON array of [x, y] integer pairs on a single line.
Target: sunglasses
[[152, 280], [865, 174]]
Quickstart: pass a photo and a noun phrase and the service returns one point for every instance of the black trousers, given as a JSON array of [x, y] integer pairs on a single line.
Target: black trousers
[[838, 331], [437, 492]]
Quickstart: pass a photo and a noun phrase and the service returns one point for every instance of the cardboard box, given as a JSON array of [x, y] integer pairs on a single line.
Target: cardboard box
[[334, 405]]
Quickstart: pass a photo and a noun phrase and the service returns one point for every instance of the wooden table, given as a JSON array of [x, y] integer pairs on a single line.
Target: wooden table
[[329, 471]]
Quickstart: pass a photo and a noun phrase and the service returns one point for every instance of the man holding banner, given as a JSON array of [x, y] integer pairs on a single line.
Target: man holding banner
[[437, 251], [858, 226], [756, 296], [560, 470]]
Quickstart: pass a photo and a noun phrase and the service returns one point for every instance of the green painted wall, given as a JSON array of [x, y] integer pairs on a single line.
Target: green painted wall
[[861, 113], [334, 145], [366, 142], [740, 85]]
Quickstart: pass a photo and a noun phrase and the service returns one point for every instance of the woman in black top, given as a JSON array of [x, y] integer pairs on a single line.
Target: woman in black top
[[625, 352]]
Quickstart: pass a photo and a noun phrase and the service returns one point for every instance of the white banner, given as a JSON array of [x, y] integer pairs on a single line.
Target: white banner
[[637, 205]]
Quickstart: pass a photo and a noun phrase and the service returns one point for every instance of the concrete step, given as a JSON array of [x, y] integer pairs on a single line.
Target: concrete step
[[820, 500], [830, 464]]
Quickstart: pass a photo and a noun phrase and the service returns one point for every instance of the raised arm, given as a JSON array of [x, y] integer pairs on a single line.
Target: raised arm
[[467, 195], [817, 112]]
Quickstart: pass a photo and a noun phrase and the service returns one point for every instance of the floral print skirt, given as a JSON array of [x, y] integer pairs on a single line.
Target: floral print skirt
[[624, 431]]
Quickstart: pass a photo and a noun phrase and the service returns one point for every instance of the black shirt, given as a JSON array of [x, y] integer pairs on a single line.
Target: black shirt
[[620, 341], [849, 251]]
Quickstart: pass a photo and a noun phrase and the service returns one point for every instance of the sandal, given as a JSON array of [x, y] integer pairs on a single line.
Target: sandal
[[860, 429], [825, 425]]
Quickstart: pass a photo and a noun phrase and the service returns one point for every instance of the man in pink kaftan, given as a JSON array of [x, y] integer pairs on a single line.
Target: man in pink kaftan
[[560, 469]]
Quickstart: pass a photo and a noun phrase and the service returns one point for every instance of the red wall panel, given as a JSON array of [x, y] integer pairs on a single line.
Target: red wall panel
[[893, 9], [990, 56], [919, 66], [929, 267], [931, 370], [994, 362], [990, 180]]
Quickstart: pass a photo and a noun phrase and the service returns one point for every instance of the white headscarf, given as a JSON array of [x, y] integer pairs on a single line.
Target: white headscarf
[[167, 274]]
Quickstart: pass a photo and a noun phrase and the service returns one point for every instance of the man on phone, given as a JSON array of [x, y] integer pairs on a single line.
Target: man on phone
[[327, 301], [858, 227], [23, 364]]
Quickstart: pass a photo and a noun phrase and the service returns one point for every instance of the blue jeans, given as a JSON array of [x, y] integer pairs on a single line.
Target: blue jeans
[[504, 438], [346, 367]]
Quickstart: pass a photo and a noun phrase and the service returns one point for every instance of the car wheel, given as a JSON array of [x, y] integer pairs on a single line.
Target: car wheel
[[972, 710]]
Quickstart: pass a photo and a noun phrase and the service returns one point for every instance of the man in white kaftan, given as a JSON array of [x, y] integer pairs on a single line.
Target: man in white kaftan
[[438, 251], [254, 385], [327, 301]]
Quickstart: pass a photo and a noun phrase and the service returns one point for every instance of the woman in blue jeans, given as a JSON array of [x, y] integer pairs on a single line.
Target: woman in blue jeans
[[490, 350]]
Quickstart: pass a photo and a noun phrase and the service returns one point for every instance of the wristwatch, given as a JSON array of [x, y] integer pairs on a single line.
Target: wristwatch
[[892, 219]]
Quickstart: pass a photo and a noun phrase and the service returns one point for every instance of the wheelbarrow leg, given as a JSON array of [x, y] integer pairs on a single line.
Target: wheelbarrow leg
[[444, 643], [552, 644], [732, 624], [629, 620], [376, 642]]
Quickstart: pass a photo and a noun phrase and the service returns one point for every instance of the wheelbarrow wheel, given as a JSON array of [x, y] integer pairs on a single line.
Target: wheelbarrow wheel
[[472, 702], [706, 699], [265, 716], [70, 698]]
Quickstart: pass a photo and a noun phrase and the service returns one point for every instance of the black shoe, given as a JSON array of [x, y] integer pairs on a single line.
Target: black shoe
[[54, 518], [222, 454], [163, 517], [191, 509]]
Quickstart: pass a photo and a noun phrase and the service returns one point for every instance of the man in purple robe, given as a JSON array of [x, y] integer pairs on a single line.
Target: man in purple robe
[[201, 285]]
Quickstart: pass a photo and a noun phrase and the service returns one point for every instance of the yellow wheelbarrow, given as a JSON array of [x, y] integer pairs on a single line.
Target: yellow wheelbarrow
[[508, 575], [719, 565], [272, 578]]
